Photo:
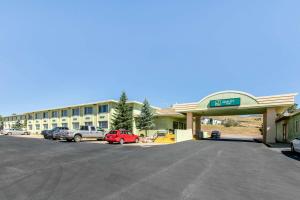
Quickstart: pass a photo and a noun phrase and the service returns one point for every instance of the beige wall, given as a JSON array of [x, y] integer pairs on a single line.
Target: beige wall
[[183, 135]]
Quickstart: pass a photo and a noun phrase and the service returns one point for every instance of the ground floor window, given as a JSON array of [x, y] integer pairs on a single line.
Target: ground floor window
[[103, 124], [30, 127], [179, 125], [88, 123], [54, 125], [45, 126], [37, 127], [75, 126], [64, 124]]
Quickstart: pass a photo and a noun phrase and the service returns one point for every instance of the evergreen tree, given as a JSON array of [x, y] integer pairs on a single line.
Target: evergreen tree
[[1, 122], [292, 109], [18, 125], [145, 121], [122, 118]]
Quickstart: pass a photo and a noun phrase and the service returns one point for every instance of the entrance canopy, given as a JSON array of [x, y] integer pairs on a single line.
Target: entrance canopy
[[236, 103]]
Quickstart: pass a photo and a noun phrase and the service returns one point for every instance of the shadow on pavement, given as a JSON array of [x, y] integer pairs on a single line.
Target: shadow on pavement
[[293, 155], [230, 140]]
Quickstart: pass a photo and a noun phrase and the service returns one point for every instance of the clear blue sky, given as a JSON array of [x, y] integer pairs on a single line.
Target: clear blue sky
[[56, 53]]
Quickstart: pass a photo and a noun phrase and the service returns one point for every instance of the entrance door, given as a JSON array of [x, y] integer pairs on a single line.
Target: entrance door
[[284, 132]]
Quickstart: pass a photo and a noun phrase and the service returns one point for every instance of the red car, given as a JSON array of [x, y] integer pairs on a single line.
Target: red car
[[121, 136]]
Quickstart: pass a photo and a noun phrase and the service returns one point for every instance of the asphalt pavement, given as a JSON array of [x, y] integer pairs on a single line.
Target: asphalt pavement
[[38, 169]]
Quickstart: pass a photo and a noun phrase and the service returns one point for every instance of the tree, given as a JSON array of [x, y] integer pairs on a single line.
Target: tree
[[18, 125], [25, 124], [122, 118], [292, 109], [145, 121], [1, 122]]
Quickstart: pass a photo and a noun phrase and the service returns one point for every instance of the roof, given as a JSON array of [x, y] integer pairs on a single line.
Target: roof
[[81, 105], [287, 115], [262, 102], [168, 112]]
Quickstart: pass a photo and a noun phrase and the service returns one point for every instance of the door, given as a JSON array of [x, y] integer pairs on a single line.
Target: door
[[93, 132], [130, 136], [85, 132], [284, 133], [124, 135]]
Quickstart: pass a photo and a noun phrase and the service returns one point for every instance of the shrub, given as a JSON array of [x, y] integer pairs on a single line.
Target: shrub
[[230, 122]]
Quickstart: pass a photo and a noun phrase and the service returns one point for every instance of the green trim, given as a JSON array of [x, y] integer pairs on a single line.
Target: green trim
[[225, 102]]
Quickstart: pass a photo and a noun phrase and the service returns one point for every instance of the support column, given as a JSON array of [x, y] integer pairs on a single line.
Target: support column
[[269, 133], [197, 125], [189, 121]]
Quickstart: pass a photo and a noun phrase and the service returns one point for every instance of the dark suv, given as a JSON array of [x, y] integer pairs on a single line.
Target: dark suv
[[58, 133], [54, 133], [215, 135]]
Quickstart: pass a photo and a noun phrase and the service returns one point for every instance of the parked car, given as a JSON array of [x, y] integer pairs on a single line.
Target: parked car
[[84, 132], [54, 133], [215, 134], [14, 132], [59, 132], [295, 145], [121, 136], [47, 133]]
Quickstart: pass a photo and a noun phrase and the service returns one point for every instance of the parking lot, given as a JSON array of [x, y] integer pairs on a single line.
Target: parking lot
[[44, 169]]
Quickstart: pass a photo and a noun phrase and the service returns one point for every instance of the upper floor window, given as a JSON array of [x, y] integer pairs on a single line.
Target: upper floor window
[[64, 113], [88, 110], [103, 108], [45, 115], [54, 114], [37, 116], [75, 112], [29, 117]]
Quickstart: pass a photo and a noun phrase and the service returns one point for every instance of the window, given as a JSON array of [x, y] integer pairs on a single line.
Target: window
[[45, 127], [103, 108], [103, 124], [75, 126], [179, 125], [93, 128], [64, 124], [29, 117], [84, 128], [175, 125], [88, 110], [64, 113], [30, 127], [45, 115], [75, 112], [54, 114], [37, 127], [54, 125], [88, 124]]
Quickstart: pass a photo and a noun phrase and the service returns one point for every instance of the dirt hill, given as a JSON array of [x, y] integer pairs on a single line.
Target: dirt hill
[[248, 125]]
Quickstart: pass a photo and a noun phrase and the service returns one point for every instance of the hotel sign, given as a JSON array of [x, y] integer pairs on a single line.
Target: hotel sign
[[225, 102]]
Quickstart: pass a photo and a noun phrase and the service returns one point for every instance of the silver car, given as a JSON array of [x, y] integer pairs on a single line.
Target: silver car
[[295, 145], [14, 132]]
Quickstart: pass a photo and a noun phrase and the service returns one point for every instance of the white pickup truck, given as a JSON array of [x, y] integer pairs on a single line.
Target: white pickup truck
[[84, 132]]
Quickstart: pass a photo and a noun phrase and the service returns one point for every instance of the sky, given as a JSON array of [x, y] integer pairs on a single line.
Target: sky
[[64, 52]]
